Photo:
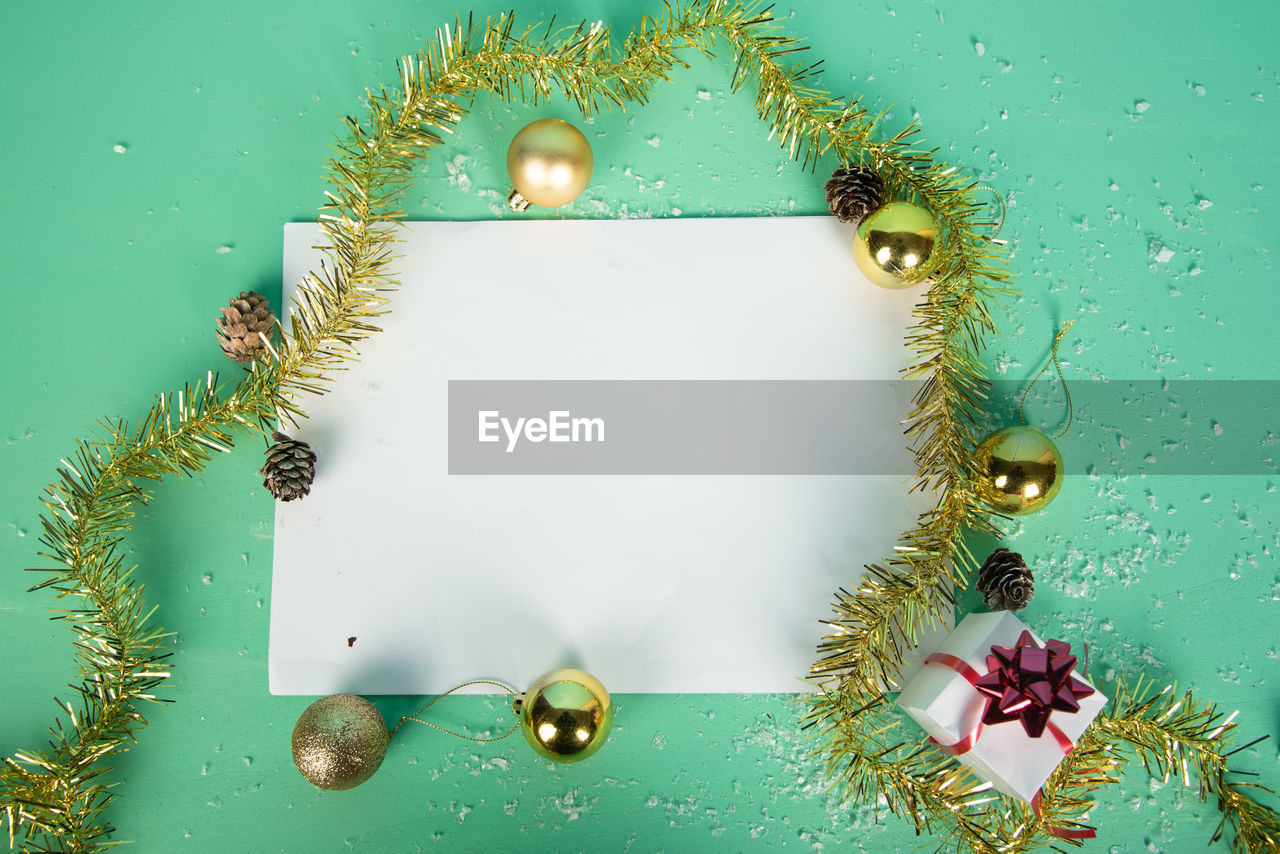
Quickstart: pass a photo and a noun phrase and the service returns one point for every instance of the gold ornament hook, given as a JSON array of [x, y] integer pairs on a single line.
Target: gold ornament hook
[[414, 717], [1022, 408], [517, 202]]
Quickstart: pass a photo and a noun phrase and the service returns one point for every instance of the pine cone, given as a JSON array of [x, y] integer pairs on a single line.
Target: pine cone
[[853, 192], [244, 324], [290, 467], [1005, 581]]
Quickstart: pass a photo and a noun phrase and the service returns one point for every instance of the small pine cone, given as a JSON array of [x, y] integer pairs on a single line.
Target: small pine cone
[[289, 469], [244, 324], [853, 192], [1005, 581]]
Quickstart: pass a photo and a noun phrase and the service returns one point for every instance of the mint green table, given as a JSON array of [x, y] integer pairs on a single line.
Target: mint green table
[[153, 151]]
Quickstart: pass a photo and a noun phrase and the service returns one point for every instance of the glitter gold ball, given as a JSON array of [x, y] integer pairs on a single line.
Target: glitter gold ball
[[339, 741], [565, 715]]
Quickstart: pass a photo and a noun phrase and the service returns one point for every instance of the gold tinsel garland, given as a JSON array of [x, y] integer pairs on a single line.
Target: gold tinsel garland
[[53, 800]]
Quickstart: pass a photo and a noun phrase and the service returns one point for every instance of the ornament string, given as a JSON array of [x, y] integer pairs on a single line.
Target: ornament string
[[996, 226], [1022, 408], [414, 717]]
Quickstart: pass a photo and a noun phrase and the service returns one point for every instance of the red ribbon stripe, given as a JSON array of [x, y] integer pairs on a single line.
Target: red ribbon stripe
[[964, 745]]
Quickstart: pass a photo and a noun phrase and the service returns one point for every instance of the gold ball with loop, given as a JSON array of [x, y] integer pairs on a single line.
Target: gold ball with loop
[[893, 245], [565, 715], [1019, 470], [550, 164]]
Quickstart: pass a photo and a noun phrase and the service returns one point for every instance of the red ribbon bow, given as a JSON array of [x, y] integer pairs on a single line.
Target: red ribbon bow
[[1026, 683]]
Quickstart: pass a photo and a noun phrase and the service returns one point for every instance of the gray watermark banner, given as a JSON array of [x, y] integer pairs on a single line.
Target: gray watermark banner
[[843, 427], [677, 427]]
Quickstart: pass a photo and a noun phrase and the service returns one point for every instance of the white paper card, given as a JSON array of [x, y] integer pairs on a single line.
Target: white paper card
[[949, 708], [654, 583]]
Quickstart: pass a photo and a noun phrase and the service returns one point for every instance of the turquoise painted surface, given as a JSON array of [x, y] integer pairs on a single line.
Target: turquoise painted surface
[[154, 150]]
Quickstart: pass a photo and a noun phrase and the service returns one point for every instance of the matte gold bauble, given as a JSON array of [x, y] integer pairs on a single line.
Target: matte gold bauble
[[550, 164], [339, 741], [1019, 470], [565, 715], [893, 245]]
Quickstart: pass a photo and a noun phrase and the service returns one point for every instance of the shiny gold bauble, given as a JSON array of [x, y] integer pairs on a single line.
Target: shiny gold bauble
[[339, 741], [893, 245], [565, 715], [550, 164], [1019, 470]]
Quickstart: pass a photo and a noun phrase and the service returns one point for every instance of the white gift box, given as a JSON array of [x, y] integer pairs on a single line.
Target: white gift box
[[949, 708]]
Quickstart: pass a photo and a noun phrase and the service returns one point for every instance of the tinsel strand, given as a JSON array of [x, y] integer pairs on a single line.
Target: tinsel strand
[[52, 801]]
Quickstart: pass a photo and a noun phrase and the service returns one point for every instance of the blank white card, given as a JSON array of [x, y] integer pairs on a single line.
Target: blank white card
[[395, 577]]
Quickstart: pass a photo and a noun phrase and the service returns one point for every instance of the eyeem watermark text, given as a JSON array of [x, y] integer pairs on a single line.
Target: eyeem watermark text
[[558, 426], [842, 427]]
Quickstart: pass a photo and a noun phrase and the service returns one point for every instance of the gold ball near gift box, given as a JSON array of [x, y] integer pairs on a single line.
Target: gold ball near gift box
[[893, 245], [1019, 470], [550, 163], [565, 715], [339, 741]]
